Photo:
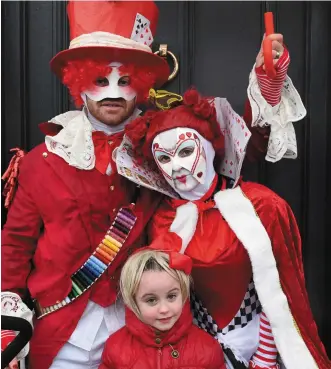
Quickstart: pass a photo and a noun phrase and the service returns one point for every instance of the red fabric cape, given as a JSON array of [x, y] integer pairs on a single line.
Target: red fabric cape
[[279, 221]]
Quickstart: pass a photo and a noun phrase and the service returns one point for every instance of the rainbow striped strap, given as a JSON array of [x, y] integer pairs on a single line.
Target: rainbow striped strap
[[97, 263]]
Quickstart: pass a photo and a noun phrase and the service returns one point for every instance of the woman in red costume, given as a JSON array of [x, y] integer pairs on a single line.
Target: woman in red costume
[[242, 237]]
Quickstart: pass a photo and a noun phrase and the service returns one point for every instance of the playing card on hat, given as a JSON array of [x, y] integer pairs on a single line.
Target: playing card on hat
[[141, 31]]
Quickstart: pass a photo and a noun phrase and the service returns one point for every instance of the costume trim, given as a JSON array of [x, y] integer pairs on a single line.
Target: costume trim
[[107, 39], [74, 142], [249, 311], [240, 214], [249, 308], [180, 224], [282, 140], [98, 262], [11, 176]]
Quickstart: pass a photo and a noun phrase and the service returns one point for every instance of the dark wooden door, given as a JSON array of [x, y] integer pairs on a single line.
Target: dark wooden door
[[216, 44]]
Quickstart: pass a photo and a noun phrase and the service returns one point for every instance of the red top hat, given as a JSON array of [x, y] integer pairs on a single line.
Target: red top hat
[[120, 31]]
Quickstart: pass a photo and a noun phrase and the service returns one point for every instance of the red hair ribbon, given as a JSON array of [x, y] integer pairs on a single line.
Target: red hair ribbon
[[168, 243], [180, 261]]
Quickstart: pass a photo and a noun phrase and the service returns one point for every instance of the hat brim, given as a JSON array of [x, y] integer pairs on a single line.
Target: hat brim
[[157, 65]]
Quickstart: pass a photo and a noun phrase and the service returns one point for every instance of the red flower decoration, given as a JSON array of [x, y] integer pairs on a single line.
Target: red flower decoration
[[191, 97], [203, 109]]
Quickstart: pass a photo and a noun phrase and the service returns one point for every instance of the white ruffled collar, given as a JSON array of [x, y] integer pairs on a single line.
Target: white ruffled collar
[[74, 142]]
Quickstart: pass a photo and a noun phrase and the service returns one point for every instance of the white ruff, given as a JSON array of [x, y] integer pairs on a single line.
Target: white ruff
[[240, 214], [74, 142], [282, 140], [107, 39]]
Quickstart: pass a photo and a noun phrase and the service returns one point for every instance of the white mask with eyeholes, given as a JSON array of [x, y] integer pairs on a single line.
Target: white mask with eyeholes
[[113, 86], [186, 160]]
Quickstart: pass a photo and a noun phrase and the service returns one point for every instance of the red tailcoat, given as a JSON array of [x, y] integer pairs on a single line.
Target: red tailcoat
[[58, 217], [222, 268]]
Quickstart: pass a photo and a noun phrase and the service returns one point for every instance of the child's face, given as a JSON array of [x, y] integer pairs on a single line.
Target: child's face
[[159, 300]]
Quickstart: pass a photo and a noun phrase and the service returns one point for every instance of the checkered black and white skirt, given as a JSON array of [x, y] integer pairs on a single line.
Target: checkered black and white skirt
[[249, 308]]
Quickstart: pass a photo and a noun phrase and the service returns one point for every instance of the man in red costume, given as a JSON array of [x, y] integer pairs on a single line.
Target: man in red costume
[[71, 224], [68, 194], [242, 237]]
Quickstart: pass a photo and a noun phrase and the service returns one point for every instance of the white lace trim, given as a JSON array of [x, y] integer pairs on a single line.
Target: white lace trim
[[74, 142], [12, 305], [282, 140]]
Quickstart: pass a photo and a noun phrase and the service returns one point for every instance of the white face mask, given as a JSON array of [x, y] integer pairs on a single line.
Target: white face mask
[[185, 159], [115, 87]]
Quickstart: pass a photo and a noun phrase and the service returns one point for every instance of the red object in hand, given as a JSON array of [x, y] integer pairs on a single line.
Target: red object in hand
[[267, 46]]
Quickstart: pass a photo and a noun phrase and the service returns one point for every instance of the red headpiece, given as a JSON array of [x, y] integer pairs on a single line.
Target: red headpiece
[[195, 112]]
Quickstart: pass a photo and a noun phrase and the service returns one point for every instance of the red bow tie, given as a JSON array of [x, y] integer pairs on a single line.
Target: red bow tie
[[103, 148]]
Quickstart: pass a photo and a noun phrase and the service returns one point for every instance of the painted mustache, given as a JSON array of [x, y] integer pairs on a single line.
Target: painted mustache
[[116, 102]]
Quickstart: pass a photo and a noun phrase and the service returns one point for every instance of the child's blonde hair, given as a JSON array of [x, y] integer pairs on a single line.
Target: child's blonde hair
[[141, 262]]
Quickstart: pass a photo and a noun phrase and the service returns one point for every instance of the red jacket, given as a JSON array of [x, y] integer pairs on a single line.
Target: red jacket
[[58, 217], [139, 346]]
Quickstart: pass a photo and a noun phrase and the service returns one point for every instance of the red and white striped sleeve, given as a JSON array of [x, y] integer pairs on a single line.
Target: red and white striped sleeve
[[271, 88], [6, 338], [266, 353]]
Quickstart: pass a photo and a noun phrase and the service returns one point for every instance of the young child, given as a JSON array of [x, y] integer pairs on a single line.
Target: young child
[[159, 331]]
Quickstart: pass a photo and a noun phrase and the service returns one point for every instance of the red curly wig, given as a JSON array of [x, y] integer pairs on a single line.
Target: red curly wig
[[80, 75], [195, 112]]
